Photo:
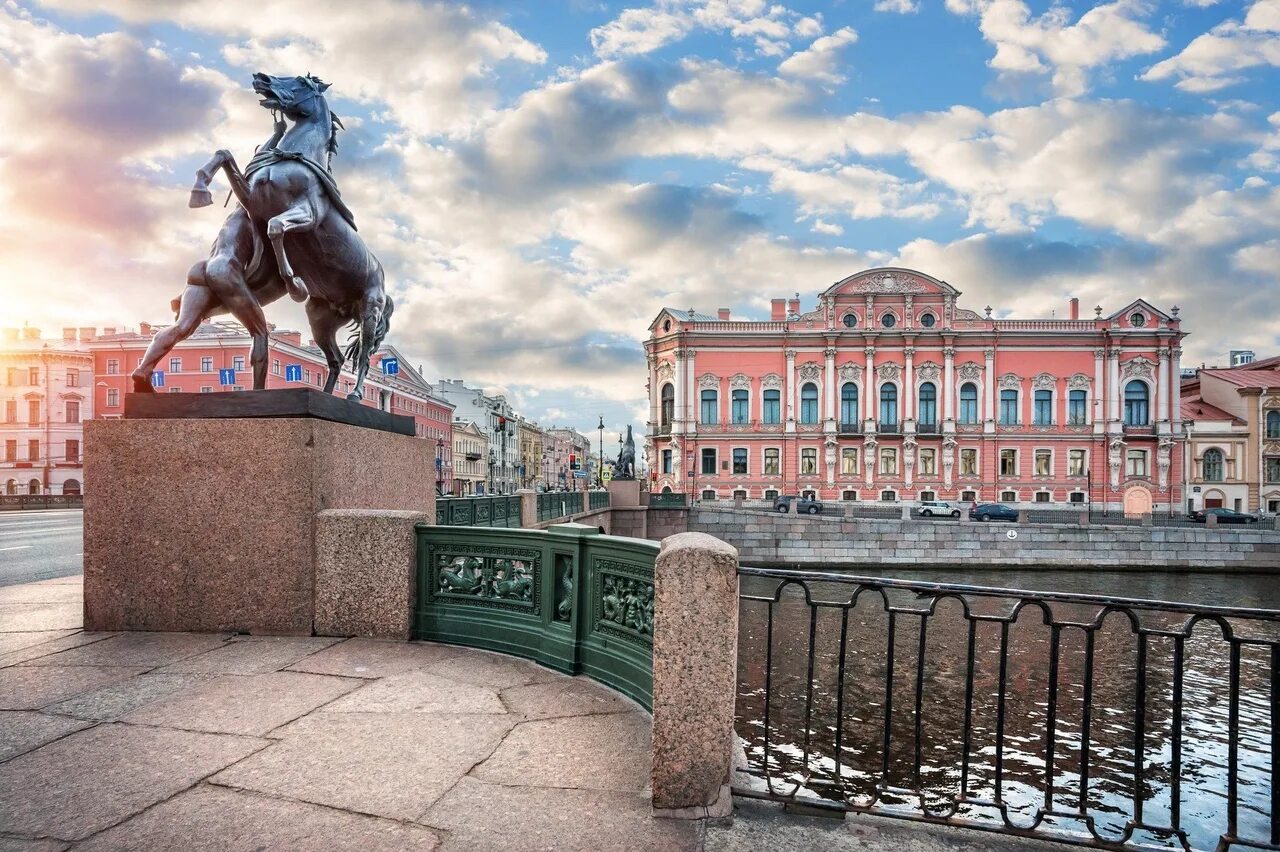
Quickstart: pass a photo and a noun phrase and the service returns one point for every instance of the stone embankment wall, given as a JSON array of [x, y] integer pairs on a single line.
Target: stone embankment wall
[[767, 539]]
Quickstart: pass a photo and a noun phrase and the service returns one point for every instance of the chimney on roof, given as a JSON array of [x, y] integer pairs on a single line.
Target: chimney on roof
[[30, 333], [109, 330], [723, 313], [293, 338], [87, 333], [793, 307], [778, 310], [68, 334], [1075, 308], [144, 328]]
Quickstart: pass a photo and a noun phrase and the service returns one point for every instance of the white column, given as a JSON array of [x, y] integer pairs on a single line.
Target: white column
[[789, 392], [1175, 396], [1162, 385], [869, 384], [1114, 391], [677, 416], [909, 385], [830, 352], [1097, 411], [948, 383], [655, 392], [989, 386]]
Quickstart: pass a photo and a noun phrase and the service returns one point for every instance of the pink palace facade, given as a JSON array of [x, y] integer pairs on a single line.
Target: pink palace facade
[[889, 391]]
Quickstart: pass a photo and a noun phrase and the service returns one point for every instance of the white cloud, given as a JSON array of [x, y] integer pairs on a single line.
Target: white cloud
[[901, 7], [821, 59], [640, 30], [829, 228], [1212, 60], [854, 190]]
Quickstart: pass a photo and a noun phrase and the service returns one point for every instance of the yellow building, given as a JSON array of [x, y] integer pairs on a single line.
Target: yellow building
[[471, 458], [532, 455]]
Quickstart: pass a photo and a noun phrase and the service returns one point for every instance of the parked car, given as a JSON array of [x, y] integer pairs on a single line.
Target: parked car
[[1225, 516], [939, 508], [799, 505], [993, 512]]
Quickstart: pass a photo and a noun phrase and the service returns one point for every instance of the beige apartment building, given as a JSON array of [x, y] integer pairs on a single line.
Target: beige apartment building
[[532, 446], [471, 458]]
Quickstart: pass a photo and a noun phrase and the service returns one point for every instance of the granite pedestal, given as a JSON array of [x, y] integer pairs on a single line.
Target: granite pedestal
[[209, 524]]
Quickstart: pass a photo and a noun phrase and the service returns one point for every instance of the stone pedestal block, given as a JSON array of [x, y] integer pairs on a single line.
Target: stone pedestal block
[[209, 524], [624, 493], [695, 650], [366, 566]]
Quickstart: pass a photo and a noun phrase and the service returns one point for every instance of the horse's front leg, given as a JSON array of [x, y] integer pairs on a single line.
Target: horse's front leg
[[368, 334], [300, 217], [200, 194]]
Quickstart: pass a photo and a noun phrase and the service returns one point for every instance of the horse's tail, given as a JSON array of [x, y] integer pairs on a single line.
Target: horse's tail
[[379, 335]]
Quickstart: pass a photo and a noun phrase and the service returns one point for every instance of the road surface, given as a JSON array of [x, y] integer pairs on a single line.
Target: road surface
[[40, 544]]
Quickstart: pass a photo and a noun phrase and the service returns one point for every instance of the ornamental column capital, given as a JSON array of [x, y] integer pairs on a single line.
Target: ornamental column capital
[[1099, 353], [1163, 353], [1115, 351], [909, 351], [870, 351], [681, 353], [989, 354], [791, 354], [949, 352], [830, 352]]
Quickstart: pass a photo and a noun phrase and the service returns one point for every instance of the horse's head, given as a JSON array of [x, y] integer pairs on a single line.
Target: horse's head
[[296, 97]]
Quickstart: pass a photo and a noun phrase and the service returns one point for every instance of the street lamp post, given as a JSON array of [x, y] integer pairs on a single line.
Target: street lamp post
[[600, 469]]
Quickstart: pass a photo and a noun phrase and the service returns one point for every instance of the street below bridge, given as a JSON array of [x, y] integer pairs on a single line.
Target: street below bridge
[[40, 545]]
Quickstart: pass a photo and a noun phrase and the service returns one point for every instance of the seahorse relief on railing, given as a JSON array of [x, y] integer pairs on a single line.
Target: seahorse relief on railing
[[509, 579]]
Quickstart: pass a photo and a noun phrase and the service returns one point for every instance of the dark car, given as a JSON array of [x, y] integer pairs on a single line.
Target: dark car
[[1225, 516], [799, 505], [993, 512]]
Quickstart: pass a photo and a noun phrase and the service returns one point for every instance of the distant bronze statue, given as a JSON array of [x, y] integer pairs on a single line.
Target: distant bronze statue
[[626, 466], [289, 200]]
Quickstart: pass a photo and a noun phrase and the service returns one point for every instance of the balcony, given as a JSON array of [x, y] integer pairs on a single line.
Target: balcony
[[850, 428], [889, 428], [662, 429], [927, 428], [1139, 429]]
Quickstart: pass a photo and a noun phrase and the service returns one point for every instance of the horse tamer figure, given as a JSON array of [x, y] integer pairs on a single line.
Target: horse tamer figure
[[292, 234]]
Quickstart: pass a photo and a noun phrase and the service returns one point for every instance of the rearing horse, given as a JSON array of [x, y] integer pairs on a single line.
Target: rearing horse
[[319, 256]]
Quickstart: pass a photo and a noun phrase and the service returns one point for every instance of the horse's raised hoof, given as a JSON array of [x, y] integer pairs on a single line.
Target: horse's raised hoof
[[297, 289], [142, 384], [355, 397], [200, 198]]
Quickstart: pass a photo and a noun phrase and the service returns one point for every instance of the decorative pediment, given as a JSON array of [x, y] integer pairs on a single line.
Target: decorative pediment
[[666, 372], [889, 281], [889, 372], [1138, 368], [771, 381], [1079, 382], [740, 382], [1045, 381], [809, 371], [928, 371], [1010, 381], [850, 372], [708, 381], [969, 371]]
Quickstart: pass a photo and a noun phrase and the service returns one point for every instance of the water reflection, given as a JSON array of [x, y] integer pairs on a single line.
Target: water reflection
[[822, 740]]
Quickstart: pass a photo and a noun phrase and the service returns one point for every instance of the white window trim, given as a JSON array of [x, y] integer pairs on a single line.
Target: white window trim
[[1052, 460]]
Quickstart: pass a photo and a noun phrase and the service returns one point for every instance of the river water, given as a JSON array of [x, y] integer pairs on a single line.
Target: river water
[[802, 754]]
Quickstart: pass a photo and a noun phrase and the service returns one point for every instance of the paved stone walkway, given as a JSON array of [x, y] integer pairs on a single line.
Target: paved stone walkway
[[145, 741]]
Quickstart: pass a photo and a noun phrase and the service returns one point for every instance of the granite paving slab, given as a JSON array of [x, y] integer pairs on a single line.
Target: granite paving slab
[[91, 780], [41, 593], [491, 669], [419, 692], [251, 705], [246, 655], [578, 696], [17, 641], [210, 818], [26, 617], [542, 818], [371, 658], [387, 764], [116, 700], [135, 649], [23, 730], [608, 752], [33, 687], [65, 640], [13, 844]]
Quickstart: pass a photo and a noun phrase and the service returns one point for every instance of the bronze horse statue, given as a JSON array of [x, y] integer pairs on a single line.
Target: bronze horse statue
[[291, 201]]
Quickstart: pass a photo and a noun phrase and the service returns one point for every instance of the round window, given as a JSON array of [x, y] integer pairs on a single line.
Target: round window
[[927, 320], [850, 320], [666, 326], [1138, 320], [888, 320]]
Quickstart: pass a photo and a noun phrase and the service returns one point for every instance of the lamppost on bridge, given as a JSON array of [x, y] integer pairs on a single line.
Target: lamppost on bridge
[[439, 466], [600, 469]]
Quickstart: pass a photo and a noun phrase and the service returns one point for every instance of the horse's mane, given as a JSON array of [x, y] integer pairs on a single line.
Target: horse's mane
[[335, 124]]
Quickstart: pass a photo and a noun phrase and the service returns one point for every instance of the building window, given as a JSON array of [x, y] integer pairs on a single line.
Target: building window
[[849, 461], [888, 497], [969, 496], [1075, 497], [708, 460], [968, 462], [969, 403], [113, 397], [1273, 424], [275, 366], [1009, 407], [888, 405], [1077, 408], [11, 451], [237, 363], [888, 461], [10, 411], [73, 378], [33, 411], [928, 496], [666, 461], [1043, 496], [1135, 403], [1043, 408], [73, 411], [771, 494], [175, 365], [888, 320], [73, 451], [808, 461], [1008, 462], [771, 466], [849, 403], [1008, 496], [33, 450], [1044, 462], [206, 365], [1212, 465], [1075, 462], [850, 320], [1271, 469], [708, 494], [928, 411], [928, 320], [740, 494], [740, 405], [772, 411], [1137, 462], [667, 409], [739, 460], [113, 367], [206, 389], [809, 403], [710, 406], [928, 462], [849, 495], [33, 375], [1137, 320]]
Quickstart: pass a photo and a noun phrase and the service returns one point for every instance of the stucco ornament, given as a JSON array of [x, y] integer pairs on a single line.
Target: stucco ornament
[[1044, 381], [1010, 381], [1164, 460], [928, 371], [740, 382], [1138, 368], [1115, 456], [771, 381], [708, 381], [969, 371], [666, 372], [1272, 448], [889, 372], [1078, 382], [850, 372], [887, 282], [966, 314], [809, 371]]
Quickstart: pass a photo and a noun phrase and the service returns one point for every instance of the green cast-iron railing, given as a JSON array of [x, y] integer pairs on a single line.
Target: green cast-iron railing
[[567, 597], [500, 510], [598, 500], [559, 504], [666, 501]]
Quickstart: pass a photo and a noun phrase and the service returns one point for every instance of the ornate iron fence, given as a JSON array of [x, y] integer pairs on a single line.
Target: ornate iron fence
[[559, 505], [1093, 720], [567, 597], [667, 501], [501, 510], [598, 500], [14, 502]]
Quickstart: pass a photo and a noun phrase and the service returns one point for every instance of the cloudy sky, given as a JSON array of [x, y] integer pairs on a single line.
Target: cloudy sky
[[540, 178]]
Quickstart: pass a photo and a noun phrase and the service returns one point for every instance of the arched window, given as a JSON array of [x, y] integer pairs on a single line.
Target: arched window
[[771, 410], [888, 404], [969, 403], [809, 403], [1043, 402], [740, 405], [928, 412], [71, 486], [849, 403], [1009, 407], [1212, 464], [1135, 404], [668, 404], [710, 407], [33, 487], [11, 487], [1273, 424]]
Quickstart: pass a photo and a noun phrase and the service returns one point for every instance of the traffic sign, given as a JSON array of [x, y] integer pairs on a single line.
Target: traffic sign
[[390, 366], [293, 372], [157, 378], [226, 377], [606, 474], [579, 474]]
